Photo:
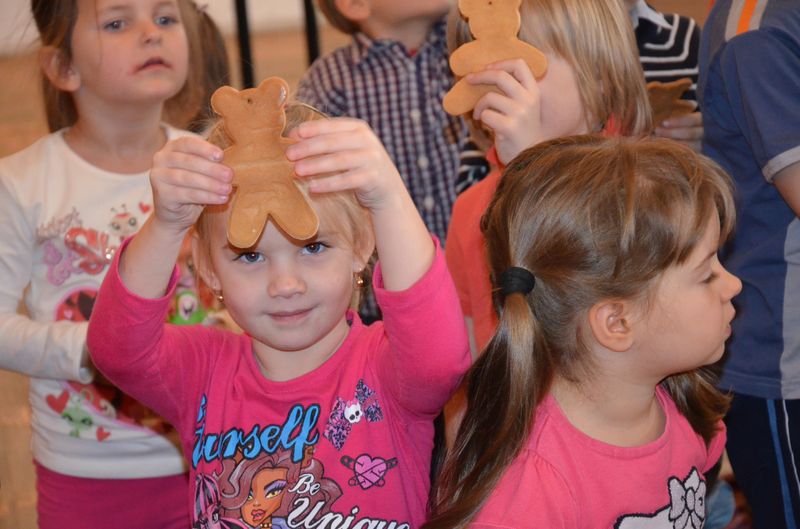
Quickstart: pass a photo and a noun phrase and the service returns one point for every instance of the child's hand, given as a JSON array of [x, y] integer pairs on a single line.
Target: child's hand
[[187, 175], [513, 115], [687, 129], [343, 153]]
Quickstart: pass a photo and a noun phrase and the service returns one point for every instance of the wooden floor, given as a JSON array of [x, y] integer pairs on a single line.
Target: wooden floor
[[21, 122]]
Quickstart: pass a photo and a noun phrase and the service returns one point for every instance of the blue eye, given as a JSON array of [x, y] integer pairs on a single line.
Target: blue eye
[[314, 248], [249, 257], [114, 25], [166, 20]]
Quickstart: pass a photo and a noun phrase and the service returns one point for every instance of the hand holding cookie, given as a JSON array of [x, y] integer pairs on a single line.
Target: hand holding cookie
[[494, 24]]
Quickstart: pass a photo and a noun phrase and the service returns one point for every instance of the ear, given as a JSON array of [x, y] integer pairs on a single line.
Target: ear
[[202, 263], [362, 251], [610, 322], [58, 70], [354, 10]]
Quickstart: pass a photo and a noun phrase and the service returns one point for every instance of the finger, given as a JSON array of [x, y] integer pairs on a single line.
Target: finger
[[349, 180], [197, 164], [181, 179], [192, 145], [497, 121], [498, 103], [316, 127], [337, 162], [518, 69], [360, 139]]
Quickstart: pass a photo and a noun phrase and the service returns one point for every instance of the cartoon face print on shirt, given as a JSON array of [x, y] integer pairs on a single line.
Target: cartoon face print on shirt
[[686, 510], [346, 414], [263, 491]]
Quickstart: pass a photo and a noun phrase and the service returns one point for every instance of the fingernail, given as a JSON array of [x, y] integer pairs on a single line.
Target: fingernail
[[216, 156]]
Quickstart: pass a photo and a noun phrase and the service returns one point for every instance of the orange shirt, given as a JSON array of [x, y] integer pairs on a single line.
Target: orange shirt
[[466, 254]]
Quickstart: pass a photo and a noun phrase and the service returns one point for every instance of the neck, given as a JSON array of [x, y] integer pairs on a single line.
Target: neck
[[611, 409], [279, 366], [411, 33], [121, 139]]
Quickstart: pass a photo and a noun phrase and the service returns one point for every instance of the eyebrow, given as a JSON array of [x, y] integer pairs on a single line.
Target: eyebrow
[[706, 258]]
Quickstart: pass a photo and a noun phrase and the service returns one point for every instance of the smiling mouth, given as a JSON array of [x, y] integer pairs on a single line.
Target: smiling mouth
[[289, 315]]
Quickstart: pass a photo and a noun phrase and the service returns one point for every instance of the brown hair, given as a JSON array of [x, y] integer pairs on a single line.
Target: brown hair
[[335, 17], [596, 39], [592, 218], [55, 20]]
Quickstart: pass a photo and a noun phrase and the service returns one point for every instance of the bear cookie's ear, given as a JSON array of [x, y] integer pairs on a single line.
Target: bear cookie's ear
[[263, 179], [223, 99]]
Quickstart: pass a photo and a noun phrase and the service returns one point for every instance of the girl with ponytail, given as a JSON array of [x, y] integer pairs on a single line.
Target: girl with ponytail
[[591, 406]]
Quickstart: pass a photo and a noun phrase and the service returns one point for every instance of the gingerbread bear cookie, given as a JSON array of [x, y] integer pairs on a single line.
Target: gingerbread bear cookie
[[665, 99], [494, 24], [264, 182]]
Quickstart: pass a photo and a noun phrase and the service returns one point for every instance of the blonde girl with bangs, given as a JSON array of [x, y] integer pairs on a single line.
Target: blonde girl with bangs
[[593, 83], [352, 406], [591, 406]]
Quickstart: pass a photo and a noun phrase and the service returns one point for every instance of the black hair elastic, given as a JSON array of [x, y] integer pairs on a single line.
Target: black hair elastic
[[516, 280]]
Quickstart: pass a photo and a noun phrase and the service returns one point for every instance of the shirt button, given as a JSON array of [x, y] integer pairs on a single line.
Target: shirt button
[[415, 115], [428, 203], [423, 162]]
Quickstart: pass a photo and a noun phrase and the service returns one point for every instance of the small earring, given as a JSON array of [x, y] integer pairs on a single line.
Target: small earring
[[359, 280], [219, 296]]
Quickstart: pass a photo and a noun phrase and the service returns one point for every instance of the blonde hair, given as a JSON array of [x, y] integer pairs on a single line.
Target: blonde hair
[[596, 39], [55, 20], [339, 210], [591, 218]]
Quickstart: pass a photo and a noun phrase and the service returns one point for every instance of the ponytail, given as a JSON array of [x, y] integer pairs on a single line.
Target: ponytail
[[504, 386]]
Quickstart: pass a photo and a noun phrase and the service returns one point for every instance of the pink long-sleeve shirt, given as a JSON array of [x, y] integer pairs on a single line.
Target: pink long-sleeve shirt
[[344, 445]]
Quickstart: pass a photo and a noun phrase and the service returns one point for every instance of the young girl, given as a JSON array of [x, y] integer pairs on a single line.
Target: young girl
[[593, 82], [589, 408], [66, 203], [307, 381]]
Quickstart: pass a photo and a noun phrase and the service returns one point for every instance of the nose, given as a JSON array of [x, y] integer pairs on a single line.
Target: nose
[[285, 281], [150, 31], [732, 283]]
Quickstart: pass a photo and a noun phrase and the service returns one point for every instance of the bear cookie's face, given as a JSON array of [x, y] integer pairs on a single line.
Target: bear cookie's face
[[253, 112], [489, 18]]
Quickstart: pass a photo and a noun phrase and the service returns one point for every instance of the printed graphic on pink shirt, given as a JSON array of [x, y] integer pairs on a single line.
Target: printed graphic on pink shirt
[[346, 414], [686, 510], [268, 476]]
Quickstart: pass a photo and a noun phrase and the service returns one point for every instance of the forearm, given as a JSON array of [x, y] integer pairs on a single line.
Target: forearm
[[147, 264], [405, 248], [45, 350]]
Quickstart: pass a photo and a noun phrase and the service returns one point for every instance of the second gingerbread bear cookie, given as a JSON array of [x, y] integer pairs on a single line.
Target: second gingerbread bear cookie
[[264, 181], [494, 24]]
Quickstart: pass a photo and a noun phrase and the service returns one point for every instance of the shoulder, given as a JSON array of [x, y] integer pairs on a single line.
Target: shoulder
[[530, 484], [30, 168], [473, 201]]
